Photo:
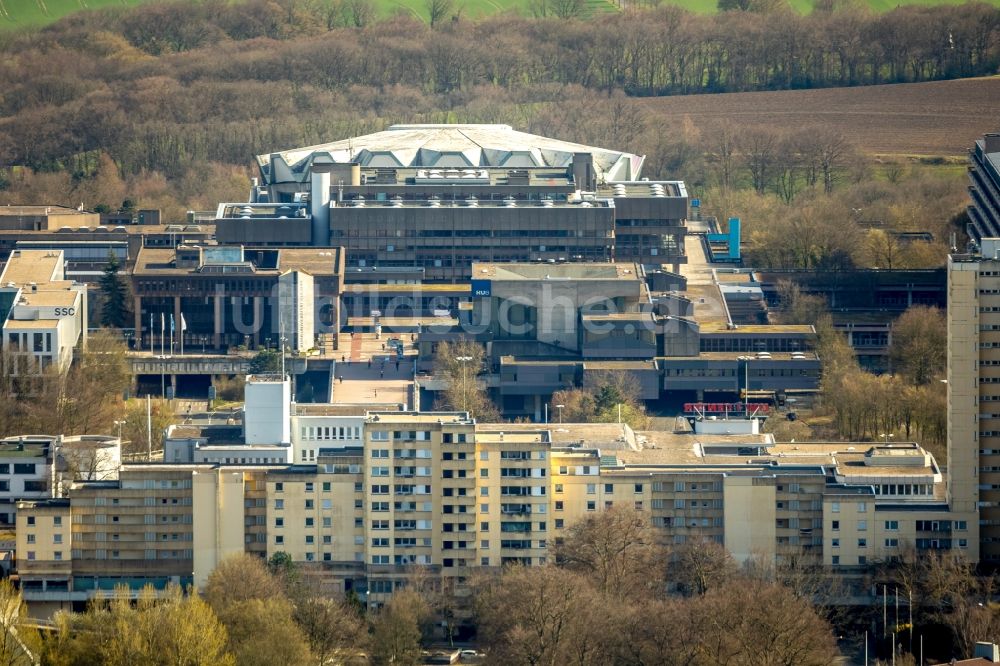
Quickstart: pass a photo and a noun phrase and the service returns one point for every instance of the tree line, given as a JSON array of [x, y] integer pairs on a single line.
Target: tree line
[[166, 86], [613, 594]]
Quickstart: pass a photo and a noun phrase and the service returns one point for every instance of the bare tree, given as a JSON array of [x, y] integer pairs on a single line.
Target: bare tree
[[759, 147], [438, 9], [460, 364], [618, 550], [699, 565], [919, 344]]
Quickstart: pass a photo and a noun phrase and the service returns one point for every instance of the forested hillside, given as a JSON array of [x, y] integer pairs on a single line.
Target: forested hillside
[[170, 101]]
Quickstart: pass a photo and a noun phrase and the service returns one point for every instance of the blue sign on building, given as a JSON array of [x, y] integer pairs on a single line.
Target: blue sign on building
[[695, 203], [481, 288]]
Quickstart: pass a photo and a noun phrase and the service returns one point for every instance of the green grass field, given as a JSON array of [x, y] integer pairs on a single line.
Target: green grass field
[[15, 14]]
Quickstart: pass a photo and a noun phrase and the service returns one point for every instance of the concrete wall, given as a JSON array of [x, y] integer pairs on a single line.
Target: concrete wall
[[750, 518], [218, 525]]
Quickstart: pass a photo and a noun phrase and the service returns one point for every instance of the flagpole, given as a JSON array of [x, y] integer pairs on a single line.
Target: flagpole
[[183, 328], [152, 342], [163, 381], [149, 429]]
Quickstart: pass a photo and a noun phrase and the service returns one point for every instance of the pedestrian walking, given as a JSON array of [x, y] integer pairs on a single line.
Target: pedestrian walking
[[381, 374], [369, 364]]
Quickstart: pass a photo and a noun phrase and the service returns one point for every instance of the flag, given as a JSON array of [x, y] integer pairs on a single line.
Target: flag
[[171, 323], [162, 324], [184, 325]]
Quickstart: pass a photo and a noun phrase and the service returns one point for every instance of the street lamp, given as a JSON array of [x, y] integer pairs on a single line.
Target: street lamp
[[119, 425], [886, 436], [464, 360], [560, 408]]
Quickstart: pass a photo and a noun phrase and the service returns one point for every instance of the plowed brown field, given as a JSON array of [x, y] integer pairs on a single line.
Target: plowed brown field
[[940, 118]]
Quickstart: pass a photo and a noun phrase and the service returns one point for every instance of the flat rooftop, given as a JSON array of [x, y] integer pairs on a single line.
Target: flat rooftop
[[717, 326], [735, 356], [318, 262], [214, 435], [408, 289], [26, 450], [27, 266], [358, 409], [585, 435], [642, 189], [49, 298], [8, 210], [549, 271], [418, 417]]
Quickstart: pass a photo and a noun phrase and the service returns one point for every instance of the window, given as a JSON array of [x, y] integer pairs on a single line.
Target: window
[[484, 473], [891, 543], [559, 487], [57, 538], [559, 523], [835, 525], [309, 486], [862, 507], [559, 505], [279, 522], [835, 507], [591, 506], [835, 543], [279, 487], [609, 487], [591, 488], [279, 540], [31, 538], [31, 520], [638, 487], [279, 504], [57, 521], [862, 525], [862, 560], [891, 525], [862, 543], [326, 486], [835, 560], [31, 554]]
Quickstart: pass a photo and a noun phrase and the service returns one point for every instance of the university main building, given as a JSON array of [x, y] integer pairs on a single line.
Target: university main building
[[433, 199]]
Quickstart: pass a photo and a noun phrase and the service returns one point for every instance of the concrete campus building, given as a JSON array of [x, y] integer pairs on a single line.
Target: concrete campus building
[[233, 295], [984, 188], [439, 197], [362, 493], [44, 314]]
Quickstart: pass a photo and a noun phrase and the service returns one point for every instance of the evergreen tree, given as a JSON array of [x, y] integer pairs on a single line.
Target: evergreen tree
[[115, 311]]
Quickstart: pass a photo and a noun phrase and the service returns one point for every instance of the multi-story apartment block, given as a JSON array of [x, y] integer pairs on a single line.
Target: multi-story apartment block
[[435, 494], [974, 390], [155, 525]]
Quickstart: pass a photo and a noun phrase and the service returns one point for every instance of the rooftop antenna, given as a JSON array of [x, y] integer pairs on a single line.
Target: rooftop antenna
[[953, 241]]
